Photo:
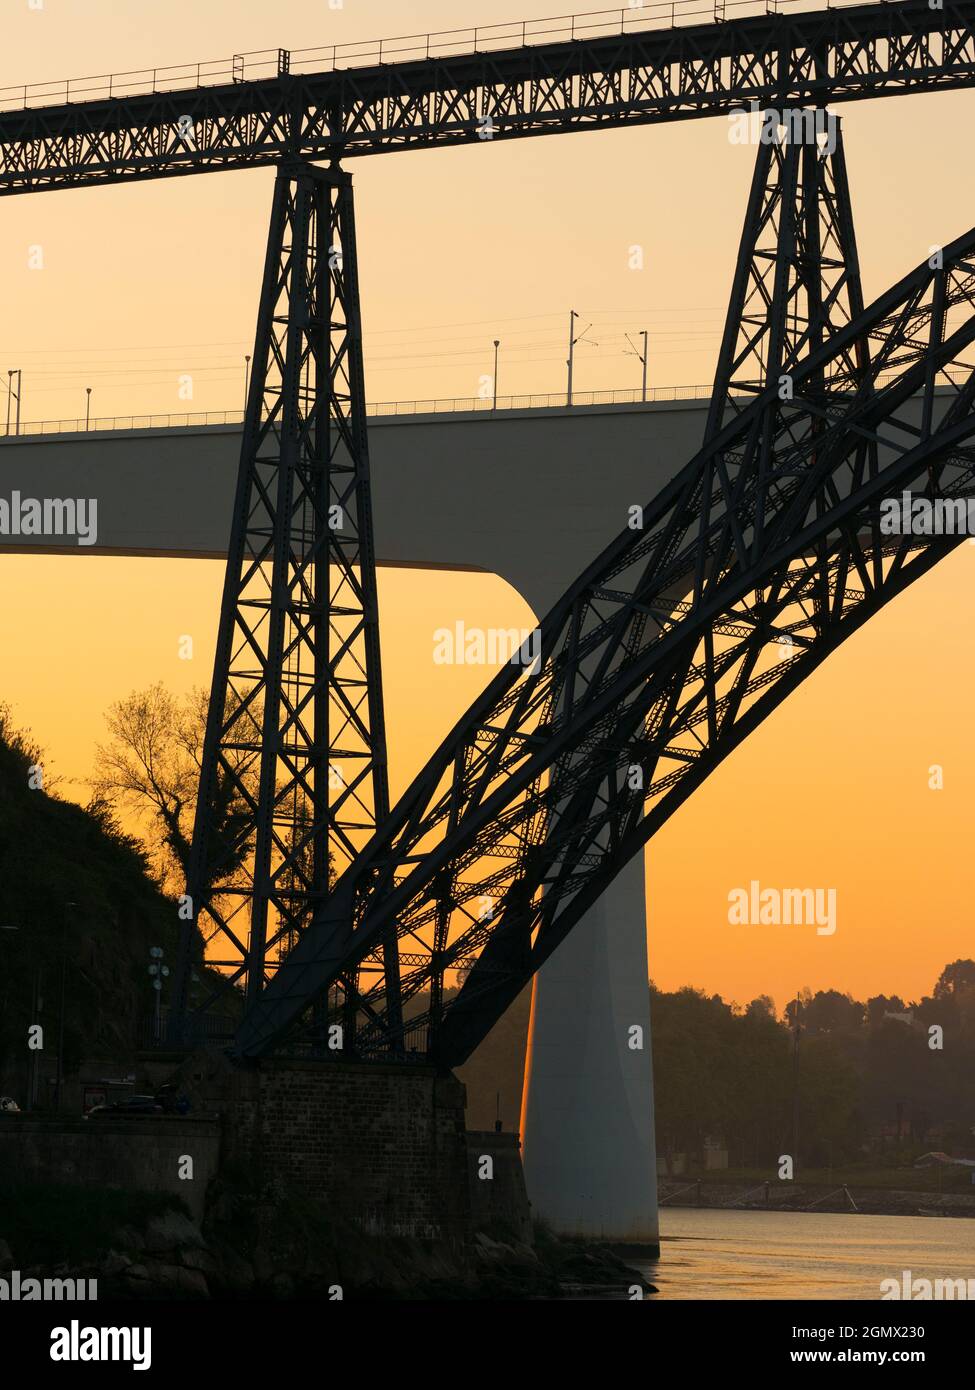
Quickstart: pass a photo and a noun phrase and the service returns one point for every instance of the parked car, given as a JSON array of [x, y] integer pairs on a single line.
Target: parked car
[[132, 1105], [172, 1099]]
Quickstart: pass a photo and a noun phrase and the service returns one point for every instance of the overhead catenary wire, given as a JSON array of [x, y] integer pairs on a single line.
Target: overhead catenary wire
[[532, 340]]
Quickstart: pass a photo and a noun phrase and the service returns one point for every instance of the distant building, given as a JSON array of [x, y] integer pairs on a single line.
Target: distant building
[[933, 1159], [715, 1152]]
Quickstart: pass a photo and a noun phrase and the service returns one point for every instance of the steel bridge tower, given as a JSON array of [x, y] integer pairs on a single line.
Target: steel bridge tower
[[294, 771]]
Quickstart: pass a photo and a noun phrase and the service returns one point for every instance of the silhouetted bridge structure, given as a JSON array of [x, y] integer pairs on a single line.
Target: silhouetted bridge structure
[[667, 649], [499, 82]]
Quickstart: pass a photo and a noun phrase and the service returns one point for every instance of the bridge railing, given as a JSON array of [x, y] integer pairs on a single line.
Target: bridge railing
[[205, 1031], [217, 1033], [433, 406], [266, 63], [444, 405]]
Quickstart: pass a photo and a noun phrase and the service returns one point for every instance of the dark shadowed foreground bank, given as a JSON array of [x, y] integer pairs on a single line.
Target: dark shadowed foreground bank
[[260, 1245]]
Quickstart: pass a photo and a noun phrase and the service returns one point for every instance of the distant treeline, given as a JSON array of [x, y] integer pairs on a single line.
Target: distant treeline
[[871, 1078], [866, 1073]]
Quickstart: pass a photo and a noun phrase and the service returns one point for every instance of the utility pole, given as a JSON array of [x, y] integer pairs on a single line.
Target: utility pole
[[497, 344], [643, 358], [797, 1029], [573, 339]]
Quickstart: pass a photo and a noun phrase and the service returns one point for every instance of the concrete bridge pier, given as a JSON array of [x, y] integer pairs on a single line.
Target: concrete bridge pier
[[587, 1131], [587, 1113]]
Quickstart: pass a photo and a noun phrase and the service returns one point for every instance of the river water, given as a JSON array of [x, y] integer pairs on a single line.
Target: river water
[[707, 1254]]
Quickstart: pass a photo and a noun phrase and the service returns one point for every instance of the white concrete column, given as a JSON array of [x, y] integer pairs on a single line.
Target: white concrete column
[[587, 1113]]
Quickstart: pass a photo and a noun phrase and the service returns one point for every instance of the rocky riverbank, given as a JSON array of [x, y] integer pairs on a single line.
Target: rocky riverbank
[[258, 1247]]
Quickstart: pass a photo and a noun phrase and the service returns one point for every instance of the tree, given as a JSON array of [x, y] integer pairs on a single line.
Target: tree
[[76, 889], [955, 978], [882, 1004], [152, 767], [828, 1013], [17, 750]]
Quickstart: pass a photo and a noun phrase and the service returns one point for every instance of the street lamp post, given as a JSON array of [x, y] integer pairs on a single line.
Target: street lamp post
[[36, 1007], [87, 407], [247, 378], [497, 344], [158, 971], [5, 927], [36, 1004], [64, 967]]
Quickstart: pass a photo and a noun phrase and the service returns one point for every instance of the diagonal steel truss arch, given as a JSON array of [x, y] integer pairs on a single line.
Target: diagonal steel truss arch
[[759, 558]]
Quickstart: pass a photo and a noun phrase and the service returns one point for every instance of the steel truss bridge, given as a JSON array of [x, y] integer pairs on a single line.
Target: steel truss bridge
[[406, 931], [633, 75]]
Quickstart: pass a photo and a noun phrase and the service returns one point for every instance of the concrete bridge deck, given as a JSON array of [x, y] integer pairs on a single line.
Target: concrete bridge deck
[[531, 495]]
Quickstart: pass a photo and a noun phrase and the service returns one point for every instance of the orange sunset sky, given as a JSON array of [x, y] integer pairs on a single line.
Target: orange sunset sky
[[145, 284]]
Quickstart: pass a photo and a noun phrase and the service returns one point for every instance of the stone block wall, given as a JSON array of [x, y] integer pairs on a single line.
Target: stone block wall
[[130, 1155], [383, 1146], [499, 1201]]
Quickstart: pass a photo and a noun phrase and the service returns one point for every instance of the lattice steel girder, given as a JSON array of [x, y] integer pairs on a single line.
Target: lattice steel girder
[[294, 773], [797, 275], [636, 79], [753, 564]]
